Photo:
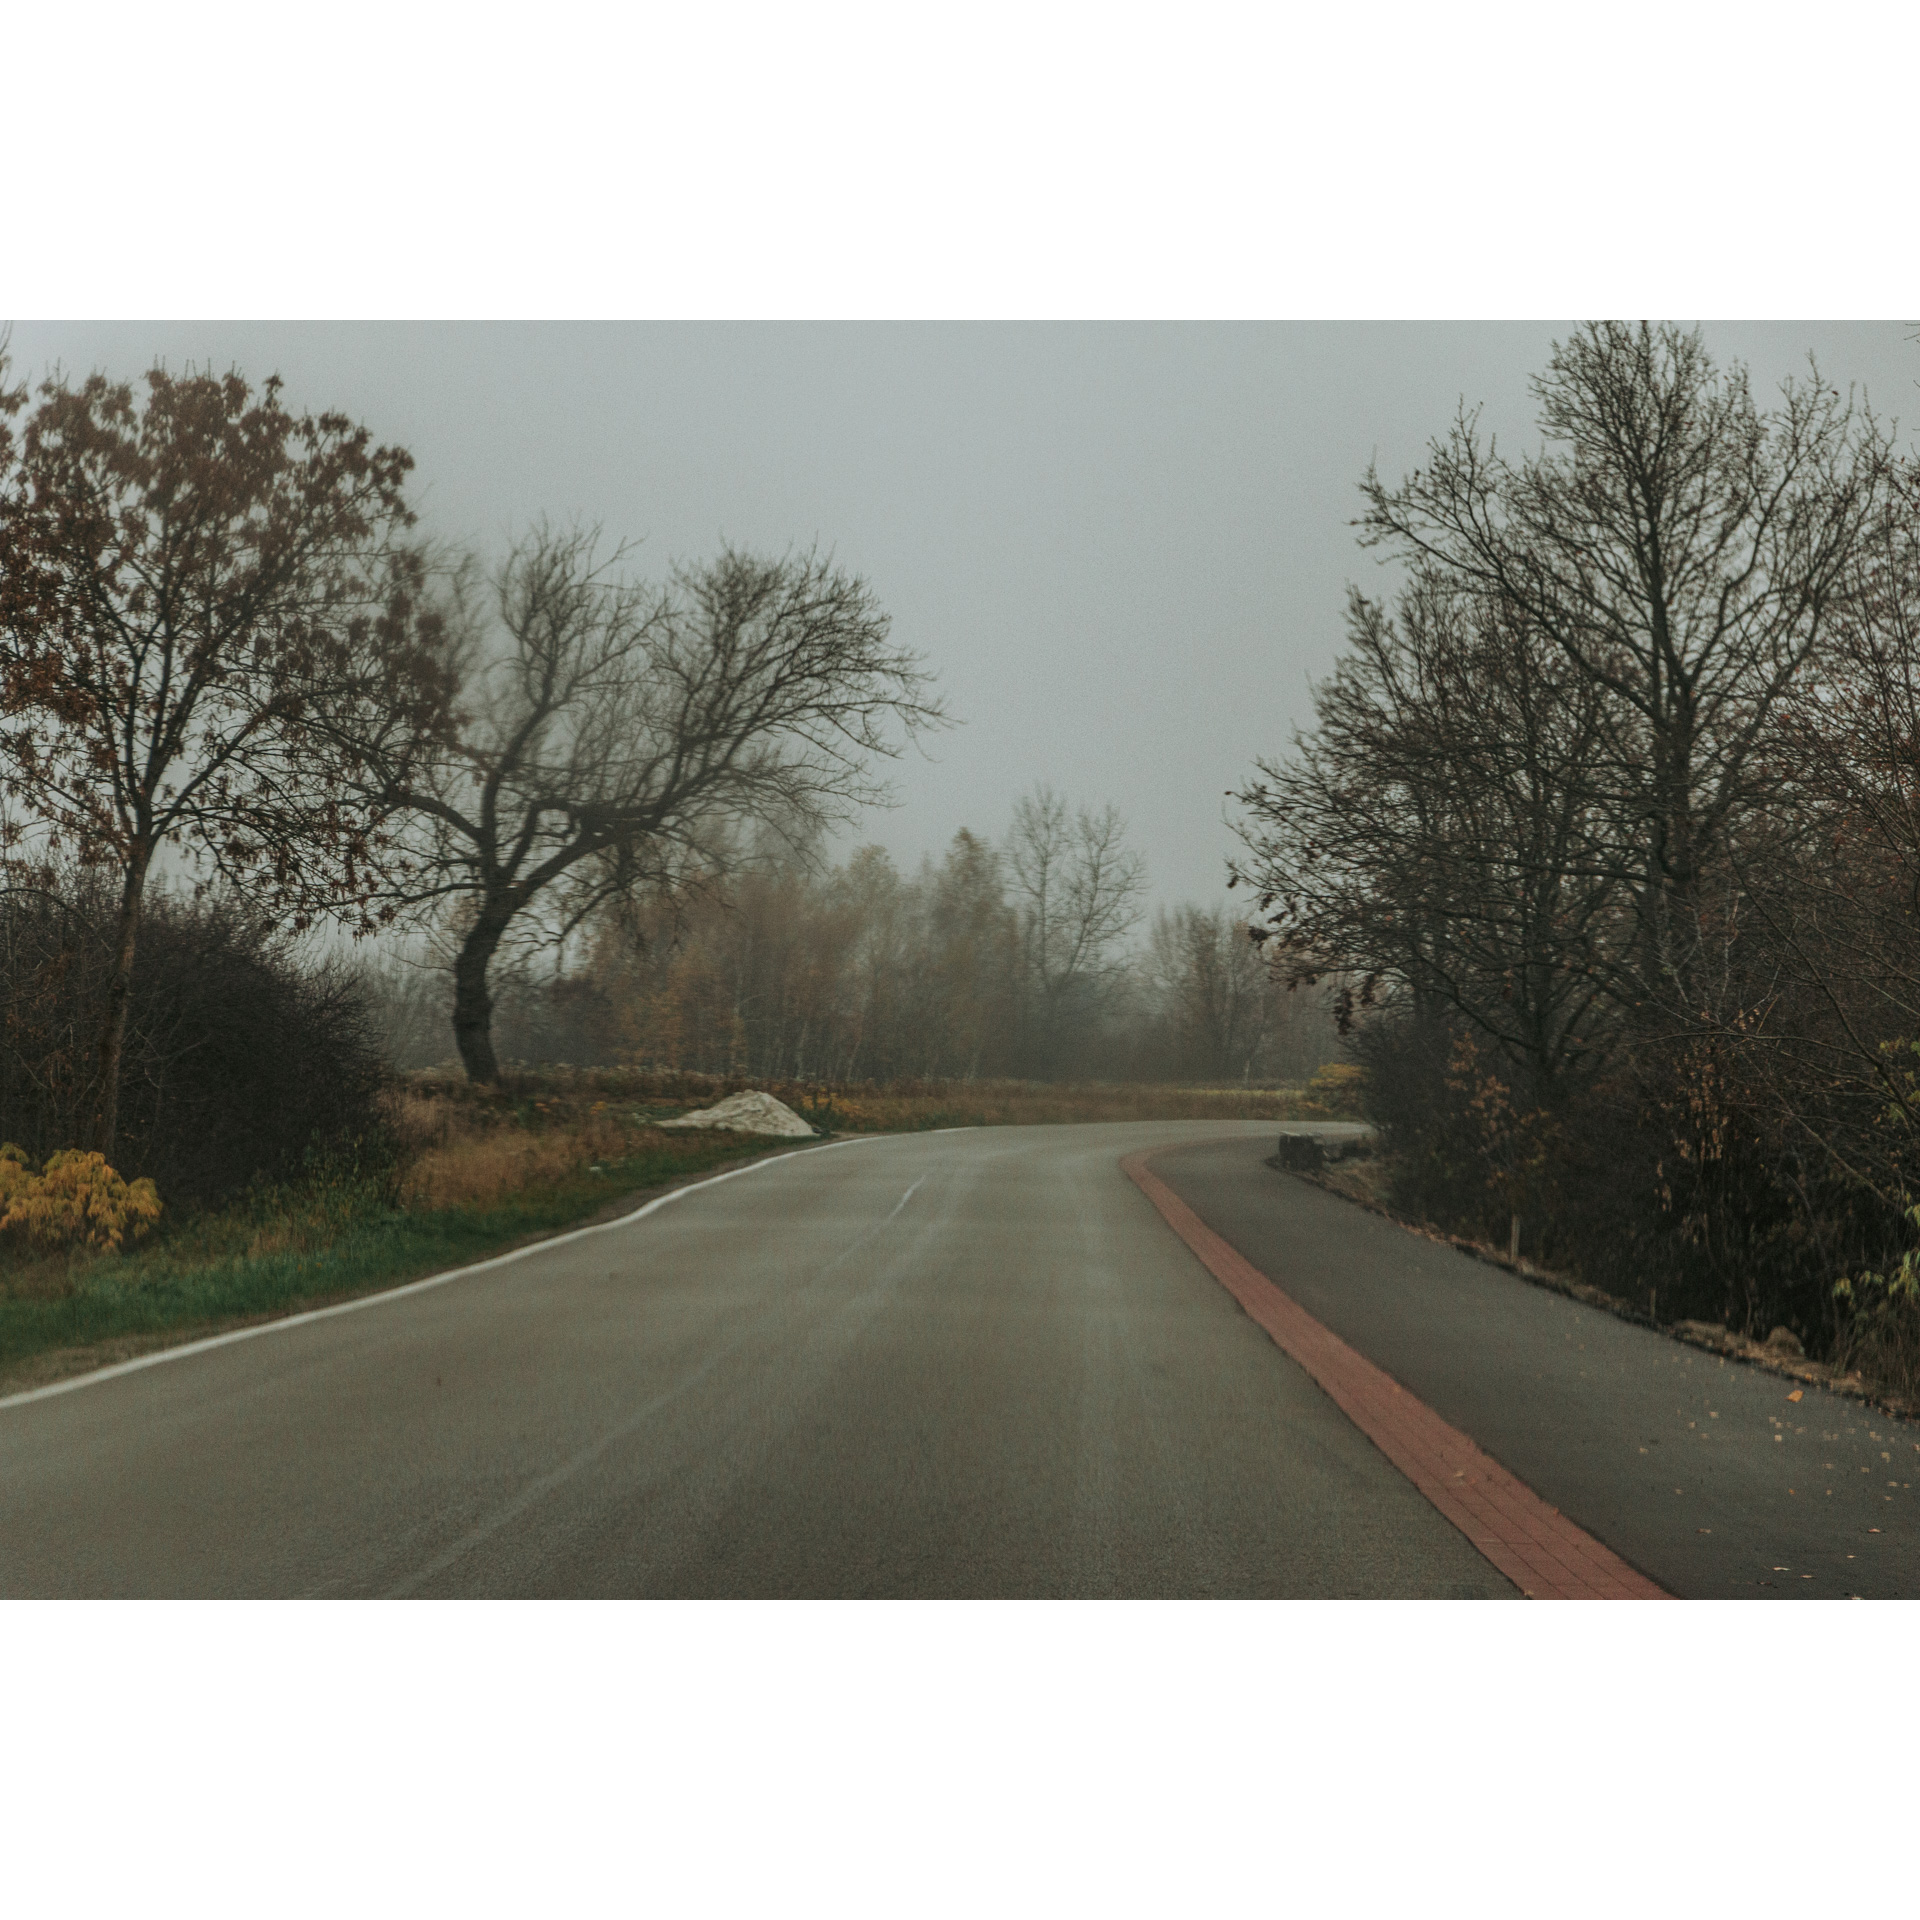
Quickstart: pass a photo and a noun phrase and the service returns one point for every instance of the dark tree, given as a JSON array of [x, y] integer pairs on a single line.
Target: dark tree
[[618, 737], [189, 580], [1825, 1024], [1215, 997], [1686, 553], [1625, 786], [1436, 835]]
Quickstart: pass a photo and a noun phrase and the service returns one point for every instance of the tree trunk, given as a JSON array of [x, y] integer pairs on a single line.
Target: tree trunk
[[473, 1005], [113, 1032]]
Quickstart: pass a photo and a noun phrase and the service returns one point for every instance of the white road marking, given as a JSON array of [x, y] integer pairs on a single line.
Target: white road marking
[[414, 1286]]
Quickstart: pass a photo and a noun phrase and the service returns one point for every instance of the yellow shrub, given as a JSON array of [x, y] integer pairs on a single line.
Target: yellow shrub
[[1336, 1087], [16, 1175], [78, 1200]]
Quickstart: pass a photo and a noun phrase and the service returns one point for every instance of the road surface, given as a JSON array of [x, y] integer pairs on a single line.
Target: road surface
[[974, 1363], [962, 1364]]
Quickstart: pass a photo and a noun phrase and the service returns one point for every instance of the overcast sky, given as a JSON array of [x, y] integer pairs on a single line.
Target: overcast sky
[[1124, 547]]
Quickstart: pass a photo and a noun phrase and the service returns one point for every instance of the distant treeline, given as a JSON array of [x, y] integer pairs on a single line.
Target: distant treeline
[[988, 963], [1611, 820]]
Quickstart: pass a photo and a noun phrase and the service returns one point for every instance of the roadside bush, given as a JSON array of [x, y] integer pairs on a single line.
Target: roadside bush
[[16, 1176], [77, 1200], [1337, 1088], [242, 1054], [1437, 1171], [1660, 1180], [1880, 1333]]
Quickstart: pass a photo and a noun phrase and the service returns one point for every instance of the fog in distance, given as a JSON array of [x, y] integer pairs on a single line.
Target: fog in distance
[[1123, 547]]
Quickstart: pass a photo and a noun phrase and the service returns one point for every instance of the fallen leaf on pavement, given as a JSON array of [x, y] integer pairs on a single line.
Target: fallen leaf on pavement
[[1795, 1394]]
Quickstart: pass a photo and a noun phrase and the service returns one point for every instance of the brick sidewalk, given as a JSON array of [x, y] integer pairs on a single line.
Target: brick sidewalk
[[1541, 1551]]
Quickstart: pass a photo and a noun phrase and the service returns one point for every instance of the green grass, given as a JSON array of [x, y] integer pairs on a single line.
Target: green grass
[[340, 1240]]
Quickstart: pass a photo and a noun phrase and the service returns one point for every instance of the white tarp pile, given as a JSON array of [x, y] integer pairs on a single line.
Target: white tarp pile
[[747, 1113]]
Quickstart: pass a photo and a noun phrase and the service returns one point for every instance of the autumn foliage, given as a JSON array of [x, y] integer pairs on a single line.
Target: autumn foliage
[[75, 1200], [206, 613]]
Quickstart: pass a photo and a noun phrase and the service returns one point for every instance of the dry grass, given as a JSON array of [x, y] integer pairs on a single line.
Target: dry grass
[[1005, 1103], [471, 1146], [466, 1147], [1364, 1177], [28, 1273], [425, 1112], [433, 1100], [481, 1172]]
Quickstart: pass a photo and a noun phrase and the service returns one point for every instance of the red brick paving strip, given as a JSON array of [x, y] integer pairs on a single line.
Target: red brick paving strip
[[1536, 1546]]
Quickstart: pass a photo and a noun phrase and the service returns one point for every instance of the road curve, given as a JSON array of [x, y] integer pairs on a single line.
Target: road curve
[[964, 1364]]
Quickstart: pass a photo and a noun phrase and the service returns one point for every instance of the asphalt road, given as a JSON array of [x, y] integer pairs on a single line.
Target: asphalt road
[[1698, 1470], [963, 1364]]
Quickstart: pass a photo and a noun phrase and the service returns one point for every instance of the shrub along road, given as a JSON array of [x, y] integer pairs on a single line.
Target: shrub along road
[[974, 1363]]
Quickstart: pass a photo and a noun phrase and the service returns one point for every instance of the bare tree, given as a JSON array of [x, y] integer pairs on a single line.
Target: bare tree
[[1625, 785], [186, 585], [1829, 1009], [1214, 991], [1685, 552], [1437, 831], [617, 736], [1079, 888], [973, 960]]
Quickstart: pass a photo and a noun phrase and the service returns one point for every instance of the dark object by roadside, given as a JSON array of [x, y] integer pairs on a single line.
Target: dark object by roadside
[[1785, 1340], [1300, 1153], [1308, 1152]]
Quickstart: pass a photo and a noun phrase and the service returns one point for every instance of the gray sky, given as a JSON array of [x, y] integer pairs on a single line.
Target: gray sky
[[1123, 546]]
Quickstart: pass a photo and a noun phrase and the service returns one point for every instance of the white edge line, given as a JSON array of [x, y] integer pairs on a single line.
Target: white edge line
[[187, 1348]]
